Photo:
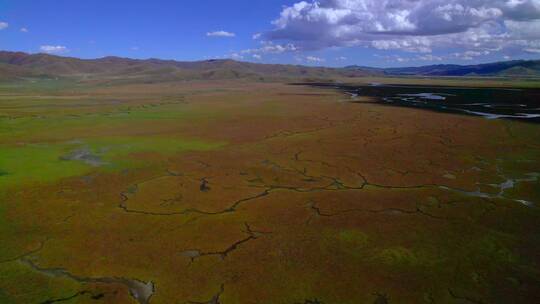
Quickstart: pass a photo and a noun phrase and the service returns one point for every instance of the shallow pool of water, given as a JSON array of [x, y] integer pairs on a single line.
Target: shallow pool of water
[[489, 103]]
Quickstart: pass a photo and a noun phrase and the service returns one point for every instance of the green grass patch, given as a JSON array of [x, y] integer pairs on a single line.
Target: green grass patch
[[494, 249], [7, 229], [21, 284], [353, 237], [115, 151], [48, 162], [350, 242], [397, 256], [119, 146], [36, 163], [65, 123]]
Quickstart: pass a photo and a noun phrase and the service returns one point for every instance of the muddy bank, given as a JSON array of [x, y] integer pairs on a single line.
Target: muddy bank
[[84, 155], [139, 290]]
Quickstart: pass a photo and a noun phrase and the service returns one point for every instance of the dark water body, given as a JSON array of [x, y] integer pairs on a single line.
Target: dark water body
[[490, 103]]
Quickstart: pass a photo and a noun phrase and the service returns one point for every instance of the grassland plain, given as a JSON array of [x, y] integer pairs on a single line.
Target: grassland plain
[[234, 192]]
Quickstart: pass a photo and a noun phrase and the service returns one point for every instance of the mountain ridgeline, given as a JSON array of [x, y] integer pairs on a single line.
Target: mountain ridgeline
[[18, 65], [15, 65], [521, 68]]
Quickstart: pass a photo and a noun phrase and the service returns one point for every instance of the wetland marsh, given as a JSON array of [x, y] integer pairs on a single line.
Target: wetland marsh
[[254, 192]]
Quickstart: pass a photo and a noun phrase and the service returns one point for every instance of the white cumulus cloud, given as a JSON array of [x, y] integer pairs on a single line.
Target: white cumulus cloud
[[418, 26], [314, 59], [271, 48], [53, 49], [24, 30], [531, 50], [3, 25], [221, 34], [236, 56]]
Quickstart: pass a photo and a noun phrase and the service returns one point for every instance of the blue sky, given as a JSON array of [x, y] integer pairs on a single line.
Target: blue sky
[[325, 32]]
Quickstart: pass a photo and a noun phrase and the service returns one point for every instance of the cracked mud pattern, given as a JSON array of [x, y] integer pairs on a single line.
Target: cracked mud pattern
[[226, 192]]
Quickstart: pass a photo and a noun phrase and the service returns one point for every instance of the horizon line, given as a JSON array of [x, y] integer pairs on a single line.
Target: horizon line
[[262, 63]]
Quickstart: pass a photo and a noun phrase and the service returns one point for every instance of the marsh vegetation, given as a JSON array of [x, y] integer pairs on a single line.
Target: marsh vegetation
[[256, 192]]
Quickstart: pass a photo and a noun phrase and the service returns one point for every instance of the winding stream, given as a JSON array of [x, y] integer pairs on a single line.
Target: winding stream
[[139, 290]]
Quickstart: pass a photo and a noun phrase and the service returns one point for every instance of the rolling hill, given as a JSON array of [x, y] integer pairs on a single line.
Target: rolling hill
[[15, 65], [504, 68]]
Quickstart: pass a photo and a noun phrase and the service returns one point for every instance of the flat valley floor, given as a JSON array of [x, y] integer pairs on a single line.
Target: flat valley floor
[[231, 192]]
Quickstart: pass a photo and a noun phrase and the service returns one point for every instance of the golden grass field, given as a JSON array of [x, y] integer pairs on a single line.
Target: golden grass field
[[246, 192]]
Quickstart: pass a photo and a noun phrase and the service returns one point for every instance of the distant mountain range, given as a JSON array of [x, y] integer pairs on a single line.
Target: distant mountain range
[[505, 68], [17, 65]]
